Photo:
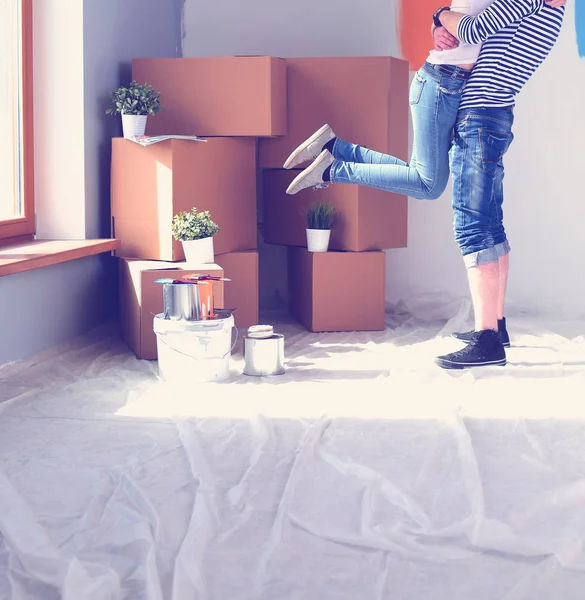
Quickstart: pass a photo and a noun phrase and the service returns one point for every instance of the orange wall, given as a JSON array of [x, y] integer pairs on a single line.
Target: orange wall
[[415, 29]]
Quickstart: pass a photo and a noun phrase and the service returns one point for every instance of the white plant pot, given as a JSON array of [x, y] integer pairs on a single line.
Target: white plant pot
[[199, 252], [133, 125], [318, 240]]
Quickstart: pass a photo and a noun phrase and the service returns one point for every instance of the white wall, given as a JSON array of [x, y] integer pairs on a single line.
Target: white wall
[[59, 119], [544, 207], [82, 52]]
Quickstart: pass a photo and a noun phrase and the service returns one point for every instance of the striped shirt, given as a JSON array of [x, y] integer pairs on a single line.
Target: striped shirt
[[517, 36]]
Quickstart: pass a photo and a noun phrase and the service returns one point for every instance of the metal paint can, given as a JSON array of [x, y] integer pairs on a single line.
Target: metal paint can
[[264, 357], [187, 302]]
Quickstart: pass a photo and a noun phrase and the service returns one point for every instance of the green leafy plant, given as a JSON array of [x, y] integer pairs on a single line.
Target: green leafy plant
[[193, 225], [320, 215], [135, 100]]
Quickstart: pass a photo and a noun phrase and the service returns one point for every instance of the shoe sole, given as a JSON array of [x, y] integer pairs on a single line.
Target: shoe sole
[[290, 160], [448, 364], [294, 187], [506, 345]]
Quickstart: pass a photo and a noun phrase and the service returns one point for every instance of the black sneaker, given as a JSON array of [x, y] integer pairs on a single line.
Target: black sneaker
[[484, 349], [502, 331]]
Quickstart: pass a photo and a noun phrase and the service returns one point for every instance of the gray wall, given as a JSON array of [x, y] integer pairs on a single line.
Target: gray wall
[[114, 33], [291, 28], [41, 308]]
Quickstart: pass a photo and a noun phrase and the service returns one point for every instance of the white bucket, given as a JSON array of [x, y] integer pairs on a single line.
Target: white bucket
[[198, 252], [193, 351], [318, 240], [133, 125]]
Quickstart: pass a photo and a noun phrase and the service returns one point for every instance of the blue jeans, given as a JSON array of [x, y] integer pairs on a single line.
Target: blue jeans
[[435, 94], [482, 137]]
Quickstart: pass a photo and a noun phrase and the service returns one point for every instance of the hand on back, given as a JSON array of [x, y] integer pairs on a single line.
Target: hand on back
[[555, 3], [445, 41]]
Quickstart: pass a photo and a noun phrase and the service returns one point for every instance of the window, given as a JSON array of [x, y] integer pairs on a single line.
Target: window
[[16, 120]]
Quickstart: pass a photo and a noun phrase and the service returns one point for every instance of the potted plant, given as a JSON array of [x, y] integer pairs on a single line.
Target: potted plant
[[195, 230], [134, 103], [320, 218]]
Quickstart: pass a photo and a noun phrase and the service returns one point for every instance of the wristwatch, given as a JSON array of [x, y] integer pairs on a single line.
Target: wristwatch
[[436, 20]]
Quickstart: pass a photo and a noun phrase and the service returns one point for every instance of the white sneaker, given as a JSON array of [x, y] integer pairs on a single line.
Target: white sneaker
[[310, 148], [312, 176]]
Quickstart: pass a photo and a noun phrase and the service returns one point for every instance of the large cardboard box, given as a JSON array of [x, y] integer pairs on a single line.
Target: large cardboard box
[[337, 291], [151, 184], [216, 96], [367, 218], [364, 99], [242, 291], [141, 299]]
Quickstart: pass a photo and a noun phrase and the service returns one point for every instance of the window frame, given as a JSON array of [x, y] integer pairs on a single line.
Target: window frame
[[24, 227]]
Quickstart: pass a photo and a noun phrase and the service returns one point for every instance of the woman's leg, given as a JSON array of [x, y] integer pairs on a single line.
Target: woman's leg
[[434, 101], [348, 152]]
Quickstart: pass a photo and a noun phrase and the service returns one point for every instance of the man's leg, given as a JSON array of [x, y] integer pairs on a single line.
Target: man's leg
[[484, 284], [503, 266], [487, 283], [482, 138], [467, 336], [501, 242], [503, 249]]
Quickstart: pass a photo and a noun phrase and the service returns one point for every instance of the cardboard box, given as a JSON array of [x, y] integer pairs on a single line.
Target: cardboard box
[[337, 291], [141, 299], [367, 219], [216, 96], [364, 99], [242, 291], [152, 184]]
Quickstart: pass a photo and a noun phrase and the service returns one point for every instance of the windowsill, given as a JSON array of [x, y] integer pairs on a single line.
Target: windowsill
[[42, 253]]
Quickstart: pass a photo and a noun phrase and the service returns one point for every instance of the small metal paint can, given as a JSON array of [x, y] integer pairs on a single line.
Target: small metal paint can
[[187, 302], [264, 357]]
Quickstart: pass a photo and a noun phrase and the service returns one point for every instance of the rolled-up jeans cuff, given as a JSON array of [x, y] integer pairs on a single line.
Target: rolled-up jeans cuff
[[503, 248], [481, 257]]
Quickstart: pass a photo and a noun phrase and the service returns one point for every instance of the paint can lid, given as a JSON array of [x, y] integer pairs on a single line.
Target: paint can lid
[[260, 331]]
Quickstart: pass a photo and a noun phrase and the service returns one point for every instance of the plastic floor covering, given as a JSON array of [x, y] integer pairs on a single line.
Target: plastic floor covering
[[363, 472]]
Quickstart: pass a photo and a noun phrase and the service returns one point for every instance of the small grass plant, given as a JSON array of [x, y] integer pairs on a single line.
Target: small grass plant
[[320, 215]]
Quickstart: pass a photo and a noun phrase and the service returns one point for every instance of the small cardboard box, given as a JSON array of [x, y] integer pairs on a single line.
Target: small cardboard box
[[337, 291], [216, 96], [364, 99], [242, 291], [367, 218], [152, 184], [141, 299]]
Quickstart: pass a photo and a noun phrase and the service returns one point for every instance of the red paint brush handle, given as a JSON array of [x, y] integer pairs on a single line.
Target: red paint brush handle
[[207, 278]]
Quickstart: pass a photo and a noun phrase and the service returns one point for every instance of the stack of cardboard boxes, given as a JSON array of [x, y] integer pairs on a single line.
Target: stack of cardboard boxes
[[254, 111], [230, 102], [365, 101]]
